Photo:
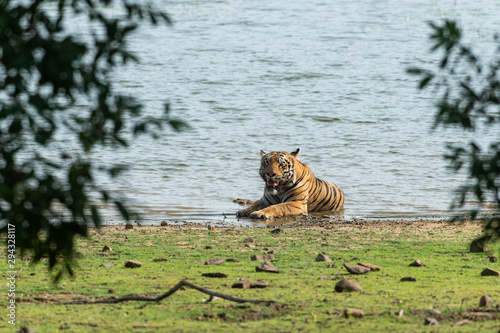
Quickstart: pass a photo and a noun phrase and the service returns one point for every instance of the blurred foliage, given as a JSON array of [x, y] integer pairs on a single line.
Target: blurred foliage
[[468, 88], [55, 82]]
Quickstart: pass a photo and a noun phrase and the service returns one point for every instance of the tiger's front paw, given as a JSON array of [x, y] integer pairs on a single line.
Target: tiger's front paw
[[242, 213], [261, 215]]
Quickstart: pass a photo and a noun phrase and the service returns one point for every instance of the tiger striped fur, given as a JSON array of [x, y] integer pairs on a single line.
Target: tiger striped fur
[[291, 189]]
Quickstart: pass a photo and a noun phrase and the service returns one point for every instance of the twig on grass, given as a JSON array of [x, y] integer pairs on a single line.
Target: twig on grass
[[182, 283]]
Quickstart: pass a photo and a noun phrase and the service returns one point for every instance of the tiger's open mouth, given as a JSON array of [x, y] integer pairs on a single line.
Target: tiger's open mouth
[[273, 184]]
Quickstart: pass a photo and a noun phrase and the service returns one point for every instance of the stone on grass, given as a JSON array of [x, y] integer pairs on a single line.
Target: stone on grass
[[267, 257], [211, 227], [276, 231], [107, 248], [430, 321], [478, 246], [242, 283], [160, 259], [215, 275], [356, 269], [408, 279], [214, 261], [325, 278], [109, 264], [249, 240], [493, 259], [373, 268], [351, 312], [347, 285], [133, 264], [129, 226], [267, 267], [416, 263], [433, 312], [490, 272], [462, 322], [163, 224], [259, 284], [273, 251], [485, 301], [27, 330], [323, 257]]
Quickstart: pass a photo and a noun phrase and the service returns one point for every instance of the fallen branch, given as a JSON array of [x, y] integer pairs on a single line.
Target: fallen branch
[[182, 283]]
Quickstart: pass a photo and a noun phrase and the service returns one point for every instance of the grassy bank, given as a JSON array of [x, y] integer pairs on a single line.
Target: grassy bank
[[450, 281]]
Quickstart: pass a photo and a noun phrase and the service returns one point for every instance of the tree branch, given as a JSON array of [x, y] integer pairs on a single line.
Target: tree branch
[[182, 283]]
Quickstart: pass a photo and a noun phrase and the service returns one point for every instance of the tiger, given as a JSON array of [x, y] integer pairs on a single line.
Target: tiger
[[291, 189]]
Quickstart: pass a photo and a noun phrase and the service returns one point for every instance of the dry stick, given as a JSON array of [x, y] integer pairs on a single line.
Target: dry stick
[[170, 292]]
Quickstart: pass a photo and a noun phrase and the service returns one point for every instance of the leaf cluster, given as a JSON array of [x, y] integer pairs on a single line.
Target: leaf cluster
[[468, 97], [57, 103]]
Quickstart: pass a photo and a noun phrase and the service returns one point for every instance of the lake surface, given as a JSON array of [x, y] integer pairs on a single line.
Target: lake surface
[[326, 76]]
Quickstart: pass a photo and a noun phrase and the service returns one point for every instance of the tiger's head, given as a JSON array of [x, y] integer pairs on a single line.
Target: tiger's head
[[277, 169]]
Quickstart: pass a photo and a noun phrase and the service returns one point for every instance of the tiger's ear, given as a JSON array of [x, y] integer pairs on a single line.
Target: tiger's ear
[[262, 152], [296, 153]]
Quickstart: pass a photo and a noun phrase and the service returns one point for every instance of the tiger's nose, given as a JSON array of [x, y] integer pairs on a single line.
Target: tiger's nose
[[271, 174]]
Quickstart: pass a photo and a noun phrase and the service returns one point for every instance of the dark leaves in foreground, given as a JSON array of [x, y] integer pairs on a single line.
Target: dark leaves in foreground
[[468, 98], [57, 103]]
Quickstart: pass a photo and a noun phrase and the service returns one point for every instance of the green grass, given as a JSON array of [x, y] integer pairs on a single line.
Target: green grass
[[449, 282]]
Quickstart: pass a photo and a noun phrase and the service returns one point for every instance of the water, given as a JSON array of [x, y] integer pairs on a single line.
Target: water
[[328, 77]]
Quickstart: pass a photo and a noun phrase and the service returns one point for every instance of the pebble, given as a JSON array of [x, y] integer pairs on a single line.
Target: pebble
[[351, 312], [267, 267], [356, 269], [323, 257], [416, 263], [485, 301], [408, 279], [490, 272], [347, 285], [133, 264]]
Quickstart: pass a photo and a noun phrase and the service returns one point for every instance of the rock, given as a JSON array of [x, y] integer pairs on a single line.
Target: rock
[[478, 246], [211, 227], [107, 248], [462, 322], [129, 226], [408, 279], [267, 257], [208, 247], [242, 283], [267, 267], [323, 257], [109, 264], [133, 264], [214, 261], [249, 240], [27, 330], [259, 284], [276, 231], [493, 259], [347, 285], [356, 269], [373, 268], [430, 321], [490, 272], [416, 263], [231, 260], [160, 259], [274, 251], [164, 224], [485, 301], [215, 275], [350, 312], [433, 312], [325, 278], [111, 291], [331, 266]]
